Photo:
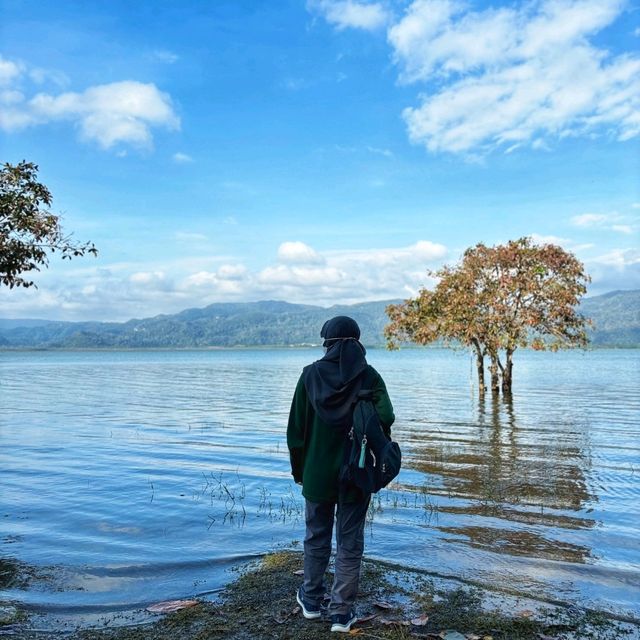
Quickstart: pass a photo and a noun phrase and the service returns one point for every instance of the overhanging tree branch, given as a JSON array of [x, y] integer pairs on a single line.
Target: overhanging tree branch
[[29, 232]]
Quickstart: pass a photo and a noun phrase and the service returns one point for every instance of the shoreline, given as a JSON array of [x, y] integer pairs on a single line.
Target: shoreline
[[394, 603], [302, 346]]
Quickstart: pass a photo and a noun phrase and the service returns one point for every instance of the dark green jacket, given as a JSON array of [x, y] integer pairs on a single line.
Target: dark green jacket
[[316, 449]]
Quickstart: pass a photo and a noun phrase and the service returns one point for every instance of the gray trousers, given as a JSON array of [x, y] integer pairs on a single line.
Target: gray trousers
[[350, 519]]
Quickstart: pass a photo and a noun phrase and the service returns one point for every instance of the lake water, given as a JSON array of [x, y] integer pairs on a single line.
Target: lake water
[[131, 477]]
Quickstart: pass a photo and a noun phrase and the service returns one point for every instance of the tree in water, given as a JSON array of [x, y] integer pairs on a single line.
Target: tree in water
[[29, 232], [496, 300]]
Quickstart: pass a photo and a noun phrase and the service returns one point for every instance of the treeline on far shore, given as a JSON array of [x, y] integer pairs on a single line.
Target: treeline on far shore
[[616, 318]]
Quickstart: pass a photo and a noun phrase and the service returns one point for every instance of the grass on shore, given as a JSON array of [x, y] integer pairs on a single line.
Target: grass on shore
[[260, 604]]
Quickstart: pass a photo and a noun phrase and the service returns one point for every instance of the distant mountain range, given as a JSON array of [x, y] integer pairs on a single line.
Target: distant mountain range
[[616, 316]]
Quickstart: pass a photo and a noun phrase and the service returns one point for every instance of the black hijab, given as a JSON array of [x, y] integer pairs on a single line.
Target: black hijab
[[333, 382]]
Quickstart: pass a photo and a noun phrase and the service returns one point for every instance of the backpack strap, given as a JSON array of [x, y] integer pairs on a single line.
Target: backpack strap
[[366, 390]]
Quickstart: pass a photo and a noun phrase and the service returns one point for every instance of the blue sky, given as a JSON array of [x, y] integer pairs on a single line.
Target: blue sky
[[319, 152]]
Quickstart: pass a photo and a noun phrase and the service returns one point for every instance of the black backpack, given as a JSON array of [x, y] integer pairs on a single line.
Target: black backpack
[[371, 460]]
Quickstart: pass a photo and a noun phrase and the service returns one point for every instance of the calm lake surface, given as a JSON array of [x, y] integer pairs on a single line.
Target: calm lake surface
[[131, 477]]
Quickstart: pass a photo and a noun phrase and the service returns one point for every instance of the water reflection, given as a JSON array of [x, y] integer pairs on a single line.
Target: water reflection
[[518, 489], [516, 543]]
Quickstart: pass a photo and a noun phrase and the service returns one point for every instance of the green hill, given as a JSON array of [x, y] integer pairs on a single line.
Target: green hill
[[218, 325], [616, 317]]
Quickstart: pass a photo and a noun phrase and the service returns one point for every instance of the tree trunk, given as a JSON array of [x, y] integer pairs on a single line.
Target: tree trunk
[[507, 373], [493, 368], [479, 365]]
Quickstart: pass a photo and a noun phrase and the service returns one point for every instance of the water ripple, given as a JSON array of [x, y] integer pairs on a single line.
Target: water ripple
[[129, 476]]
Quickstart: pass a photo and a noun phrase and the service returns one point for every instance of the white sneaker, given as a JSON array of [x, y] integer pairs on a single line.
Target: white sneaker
[[342, 622], [309, 611]]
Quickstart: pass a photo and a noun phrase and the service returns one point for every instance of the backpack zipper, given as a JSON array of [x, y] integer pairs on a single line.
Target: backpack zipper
[[363, 451]]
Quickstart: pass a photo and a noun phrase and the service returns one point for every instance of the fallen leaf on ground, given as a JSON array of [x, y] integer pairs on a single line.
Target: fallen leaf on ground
[[382, 605], [371, 616], [450, 634], [525, 613], [355, 632], [298, 572], [285, 616], [421, 621], [171, 605]]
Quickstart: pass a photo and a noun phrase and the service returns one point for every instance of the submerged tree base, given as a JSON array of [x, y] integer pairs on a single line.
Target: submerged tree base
[[394, 604]]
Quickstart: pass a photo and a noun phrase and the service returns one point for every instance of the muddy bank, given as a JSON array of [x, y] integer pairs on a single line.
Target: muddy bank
[[394, 604]]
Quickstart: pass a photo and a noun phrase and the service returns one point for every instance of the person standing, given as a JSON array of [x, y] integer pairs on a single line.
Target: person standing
[[319, 420]]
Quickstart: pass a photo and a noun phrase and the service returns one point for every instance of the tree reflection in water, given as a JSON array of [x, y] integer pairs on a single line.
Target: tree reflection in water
[[515, 490]]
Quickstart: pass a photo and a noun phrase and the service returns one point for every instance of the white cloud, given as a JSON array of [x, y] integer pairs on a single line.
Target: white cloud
[[298, 253], [354, 275], [616, 269], [608, 222], [439, 35], [566, 243], [120, 291], [382, 152], [619, 258], [421, 251], [182, 158], [9, 71], [199, 279], [229, 281], [519, 75], [154, 279], [301, 276], [344, 14], [10, 97], [41, 76], [589, 220], [125, 290], [119, 113], [12, 116], [232, 272]]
